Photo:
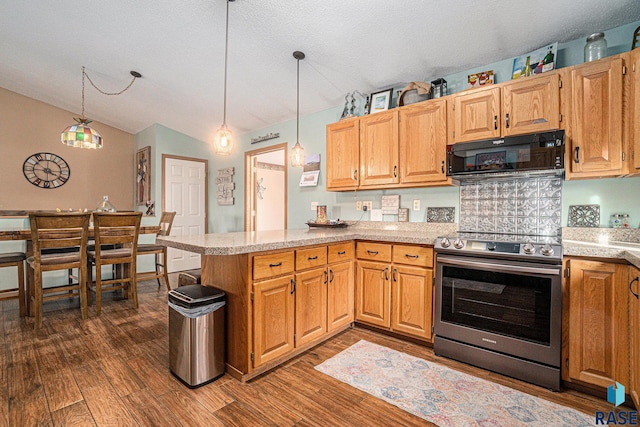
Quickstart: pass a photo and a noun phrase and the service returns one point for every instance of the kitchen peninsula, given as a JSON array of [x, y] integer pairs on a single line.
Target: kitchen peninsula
[[275, 281]]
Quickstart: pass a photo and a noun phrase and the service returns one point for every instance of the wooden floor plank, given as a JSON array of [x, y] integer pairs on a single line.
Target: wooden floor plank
[[188, 410], [157, 378], [107, 408], [237, 414], [61, 389], [121, 377], [148, 411], [76, 415], [32, 412]]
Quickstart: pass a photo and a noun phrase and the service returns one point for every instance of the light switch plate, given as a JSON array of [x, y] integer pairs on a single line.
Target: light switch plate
[[314, 206], [416, 205]]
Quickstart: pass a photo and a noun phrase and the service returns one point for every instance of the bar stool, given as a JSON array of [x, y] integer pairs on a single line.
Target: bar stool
[[120, 229], [55, 232], [14, 259], [166, 221]]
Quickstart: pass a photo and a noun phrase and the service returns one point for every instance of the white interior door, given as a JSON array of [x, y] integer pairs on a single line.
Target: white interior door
[[184, 188]]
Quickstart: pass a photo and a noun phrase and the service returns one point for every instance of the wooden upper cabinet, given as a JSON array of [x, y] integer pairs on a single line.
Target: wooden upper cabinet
[[597, 144], [531, 105], [598, 322], [634, 122], [378, 149], [634, 311], [476, 115], [423, 142], [343, 154]]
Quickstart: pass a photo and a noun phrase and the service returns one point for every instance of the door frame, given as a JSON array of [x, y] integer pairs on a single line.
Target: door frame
[[206, 183], [250, 189]]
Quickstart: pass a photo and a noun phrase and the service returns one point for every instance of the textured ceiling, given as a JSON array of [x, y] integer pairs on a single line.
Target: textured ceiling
[[178, 46]]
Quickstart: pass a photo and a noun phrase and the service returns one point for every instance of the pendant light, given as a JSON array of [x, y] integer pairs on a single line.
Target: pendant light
[[223, 141], [80, 134], [297, 152]]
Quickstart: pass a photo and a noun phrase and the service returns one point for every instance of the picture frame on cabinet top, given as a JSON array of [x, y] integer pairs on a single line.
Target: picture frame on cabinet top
[[380, 101]]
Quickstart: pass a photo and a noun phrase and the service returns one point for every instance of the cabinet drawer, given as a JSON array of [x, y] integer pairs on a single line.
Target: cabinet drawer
[[374, 251], [272, 265], [314, 257], [413, 255], [341, 252]]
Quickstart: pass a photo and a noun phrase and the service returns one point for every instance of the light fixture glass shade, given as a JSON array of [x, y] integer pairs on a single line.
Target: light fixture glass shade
[[81, 135], [223, 141], [297, 156]]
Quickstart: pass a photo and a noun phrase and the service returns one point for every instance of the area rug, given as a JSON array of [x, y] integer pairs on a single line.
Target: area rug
[[441, 395]]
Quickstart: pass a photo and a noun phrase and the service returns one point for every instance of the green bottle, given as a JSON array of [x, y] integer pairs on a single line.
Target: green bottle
[[526, 71]]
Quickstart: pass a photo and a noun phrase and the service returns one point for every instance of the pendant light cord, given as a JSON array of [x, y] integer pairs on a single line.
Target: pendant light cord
[[226, 50], [135, 75], [298, 105]]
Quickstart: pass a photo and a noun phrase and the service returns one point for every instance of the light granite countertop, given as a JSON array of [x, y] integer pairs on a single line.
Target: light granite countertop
[[599, 243]]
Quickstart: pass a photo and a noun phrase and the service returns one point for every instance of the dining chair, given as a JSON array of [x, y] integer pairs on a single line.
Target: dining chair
[[51, 234], [120, 229], [159, 251], [14, 259]]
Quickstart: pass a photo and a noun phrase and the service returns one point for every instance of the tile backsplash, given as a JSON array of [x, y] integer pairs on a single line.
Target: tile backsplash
[[531, 205]]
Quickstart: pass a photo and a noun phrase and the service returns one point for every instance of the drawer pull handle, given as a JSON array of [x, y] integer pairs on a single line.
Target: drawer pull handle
[[342, 252], [386, 273], [293, 286], [495, 122], [506, 118], [311, 258], [442, 166], [412, 256], [631, 284], [395, 274], [372, 252], [277, 264], [326, 277], [332, 276], [577, 154]]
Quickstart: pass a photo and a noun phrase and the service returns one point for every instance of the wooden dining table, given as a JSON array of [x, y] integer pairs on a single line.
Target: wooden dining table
[[14, 234]]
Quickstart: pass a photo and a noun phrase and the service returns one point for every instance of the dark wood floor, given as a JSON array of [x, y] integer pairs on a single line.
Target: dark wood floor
[[113, 370]]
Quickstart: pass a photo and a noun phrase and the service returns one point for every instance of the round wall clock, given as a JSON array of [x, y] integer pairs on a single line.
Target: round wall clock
[[46, 170]]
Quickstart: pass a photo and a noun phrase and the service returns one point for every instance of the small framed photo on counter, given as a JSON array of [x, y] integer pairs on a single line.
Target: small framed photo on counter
[[380, 101]]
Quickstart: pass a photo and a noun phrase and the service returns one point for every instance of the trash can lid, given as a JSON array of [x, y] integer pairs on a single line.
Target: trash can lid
[[195, 294]]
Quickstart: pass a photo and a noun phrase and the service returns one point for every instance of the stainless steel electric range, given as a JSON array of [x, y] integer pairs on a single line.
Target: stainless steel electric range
[[499, 304]]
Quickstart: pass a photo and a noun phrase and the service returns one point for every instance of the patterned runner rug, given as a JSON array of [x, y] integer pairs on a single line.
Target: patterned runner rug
[[442, 395]]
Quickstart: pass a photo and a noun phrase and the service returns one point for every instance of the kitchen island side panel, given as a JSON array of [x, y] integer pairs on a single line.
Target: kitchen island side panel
[[231, 273]]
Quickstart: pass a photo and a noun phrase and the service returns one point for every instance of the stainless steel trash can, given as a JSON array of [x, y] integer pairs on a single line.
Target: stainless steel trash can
[[196, 334]]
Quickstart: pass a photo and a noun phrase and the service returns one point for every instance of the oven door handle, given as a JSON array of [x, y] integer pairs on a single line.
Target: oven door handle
[[506, 268]]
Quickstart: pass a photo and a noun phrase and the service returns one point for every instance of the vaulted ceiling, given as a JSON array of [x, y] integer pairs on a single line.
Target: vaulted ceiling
[[178, 46]]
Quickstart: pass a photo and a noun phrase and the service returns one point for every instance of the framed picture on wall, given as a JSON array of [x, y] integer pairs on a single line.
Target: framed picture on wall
[[143, 176]]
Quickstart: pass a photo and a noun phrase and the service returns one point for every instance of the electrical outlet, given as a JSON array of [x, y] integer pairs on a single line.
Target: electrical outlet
[[359, 205], [314, 206], [368, 205], [416, 205]]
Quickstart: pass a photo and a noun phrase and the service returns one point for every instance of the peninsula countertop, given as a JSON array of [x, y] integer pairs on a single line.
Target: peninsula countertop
[[247, 242]]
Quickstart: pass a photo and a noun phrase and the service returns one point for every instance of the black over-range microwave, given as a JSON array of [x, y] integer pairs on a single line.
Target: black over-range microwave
[[533, 152]]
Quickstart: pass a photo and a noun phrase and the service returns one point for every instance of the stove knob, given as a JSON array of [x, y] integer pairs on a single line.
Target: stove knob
[[528, 248], [458, 244], [546, 250], [491, 246], [445, 243]]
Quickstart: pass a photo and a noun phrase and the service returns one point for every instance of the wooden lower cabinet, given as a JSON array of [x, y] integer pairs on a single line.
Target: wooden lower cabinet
[[412, 296], [373, 293], [273, 319], [340, 295], [311, 305], [397, 295], [634, 310], [598, 323]]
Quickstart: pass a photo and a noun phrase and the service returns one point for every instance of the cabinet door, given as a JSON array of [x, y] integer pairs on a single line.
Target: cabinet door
[[531, 105], [343, 154], [273, 311], [373, 293], [634, 127], [379, 149], [423, 142], [311, 305], [598, 344], [412, 295], [596, 125], [476, 115], [634, 291], [340, 295]]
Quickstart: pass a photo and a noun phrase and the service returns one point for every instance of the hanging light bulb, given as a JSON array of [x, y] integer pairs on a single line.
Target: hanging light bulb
[[297, 152], [223, 141]]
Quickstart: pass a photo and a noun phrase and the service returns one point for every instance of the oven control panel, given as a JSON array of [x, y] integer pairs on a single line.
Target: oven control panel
[[514, 249]]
